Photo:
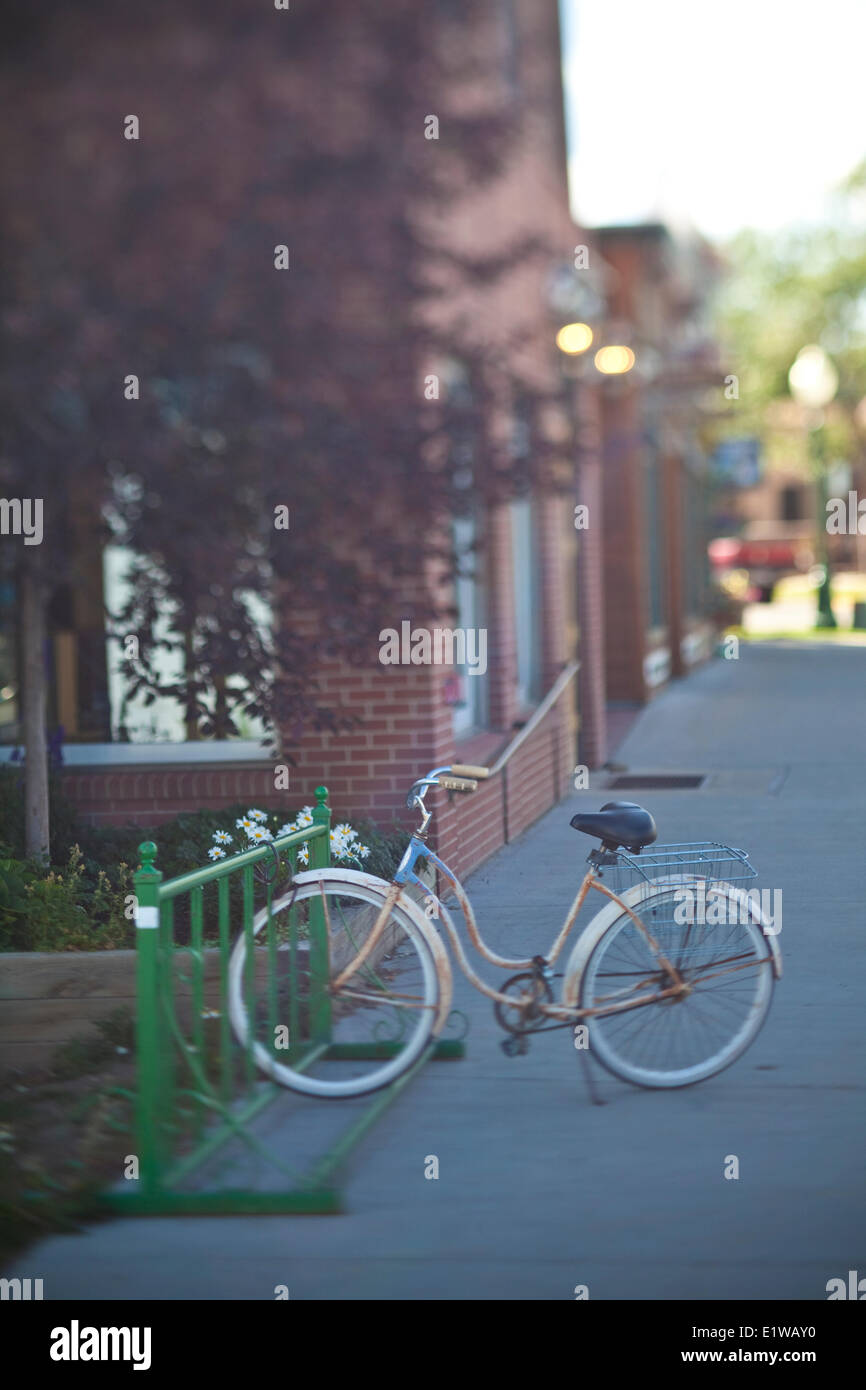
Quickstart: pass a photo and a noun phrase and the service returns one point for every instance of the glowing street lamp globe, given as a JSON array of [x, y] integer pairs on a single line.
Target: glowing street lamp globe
[[614, 359], [813, 380], [573, 338]]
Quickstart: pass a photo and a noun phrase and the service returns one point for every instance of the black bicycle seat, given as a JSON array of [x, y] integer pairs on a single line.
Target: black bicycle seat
[[618, 823]]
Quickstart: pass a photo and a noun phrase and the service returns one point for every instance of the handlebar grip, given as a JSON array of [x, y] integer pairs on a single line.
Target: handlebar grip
[[456, 784], [467, 770]]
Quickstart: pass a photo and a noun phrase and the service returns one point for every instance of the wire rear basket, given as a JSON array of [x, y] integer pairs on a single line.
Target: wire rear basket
[[706, 859]]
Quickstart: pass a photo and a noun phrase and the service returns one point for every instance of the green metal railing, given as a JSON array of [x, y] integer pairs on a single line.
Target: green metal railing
[[197, 1088]]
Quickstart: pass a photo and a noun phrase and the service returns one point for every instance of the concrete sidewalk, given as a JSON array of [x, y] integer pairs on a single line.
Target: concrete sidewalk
[[539, 1191]]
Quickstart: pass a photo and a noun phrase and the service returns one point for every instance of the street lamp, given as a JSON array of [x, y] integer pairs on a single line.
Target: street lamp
[[813, 382], [573, 338], [614, 360], [813, 379]]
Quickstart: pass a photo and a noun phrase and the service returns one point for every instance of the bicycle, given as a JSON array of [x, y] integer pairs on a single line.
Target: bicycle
[[667, 997]]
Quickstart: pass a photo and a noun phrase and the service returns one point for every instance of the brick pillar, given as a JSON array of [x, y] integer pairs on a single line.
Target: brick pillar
[[501, 639], [625, 563], [592, 741], [552, 522], [672, 492], [404, 730]]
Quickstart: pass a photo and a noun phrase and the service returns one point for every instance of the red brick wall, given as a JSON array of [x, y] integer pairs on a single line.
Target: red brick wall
[[592, 741], [472, 828], [367, 773], [148, 796], [402, 733], [625, 595], [406, 725]]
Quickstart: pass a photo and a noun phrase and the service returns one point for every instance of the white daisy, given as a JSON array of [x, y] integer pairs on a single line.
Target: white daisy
[[222, 837], [216, 853]]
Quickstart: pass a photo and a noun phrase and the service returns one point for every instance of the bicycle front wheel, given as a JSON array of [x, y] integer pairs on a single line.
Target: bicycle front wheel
[[309, 1032], [716, 943]]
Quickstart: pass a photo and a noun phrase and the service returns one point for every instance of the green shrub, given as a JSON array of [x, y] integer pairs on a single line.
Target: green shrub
[[14, 902], [60, 911], [79, 903], [387, 846]]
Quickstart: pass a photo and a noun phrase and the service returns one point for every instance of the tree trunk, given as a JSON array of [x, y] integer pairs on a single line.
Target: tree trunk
[[221, 707], [191, 708], [36, 825]]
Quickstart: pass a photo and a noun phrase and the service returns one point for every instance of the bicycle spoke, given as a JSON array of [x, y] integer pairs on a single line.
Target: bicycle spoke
[[373, 1026], [678, 1036]]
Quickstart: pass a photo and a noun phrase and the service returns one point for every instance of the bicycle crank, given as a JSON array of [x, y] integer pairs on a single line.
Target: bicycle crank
[[529, 992]]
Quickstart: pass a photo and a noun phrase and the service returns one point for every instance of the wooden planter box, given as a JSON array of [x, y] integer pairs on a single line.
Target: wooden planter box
[[48, 998]]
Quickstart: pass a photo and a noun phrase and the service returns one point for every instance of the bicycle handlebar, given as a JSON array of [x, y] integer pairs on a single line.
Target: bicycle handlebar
[[444, 777], [467, 770], [457, 784]]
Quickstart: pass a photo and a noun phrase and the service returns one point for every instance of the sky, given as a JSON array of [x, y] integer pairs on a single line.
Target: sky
[[713, 116]]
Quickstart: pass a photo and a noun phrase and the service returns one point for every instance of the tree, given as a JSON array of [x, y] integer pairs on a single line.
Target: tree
[[808, 286], [241, 313], [785, 291]]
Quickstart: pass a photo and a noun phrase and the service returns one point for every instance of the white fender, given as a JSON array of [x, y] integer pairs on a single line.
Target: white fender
[[407, 905], [633, 897]]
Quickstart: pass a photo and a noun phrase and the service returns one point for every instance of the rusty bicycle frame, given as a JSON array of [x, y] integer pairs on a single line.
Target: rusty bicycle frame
[[465, 779]]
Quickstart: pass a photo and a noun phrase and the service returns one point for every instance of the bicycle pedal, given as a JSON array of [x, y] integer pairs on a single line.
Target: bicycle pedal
[[515, 1047]]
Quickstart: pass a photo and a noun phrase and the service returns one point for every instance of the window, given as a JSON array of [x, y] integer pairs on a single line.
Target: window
[[9, 698], [792, 503], [73, 655], [655, 531], [527, 599], [133, 720], [470, 709], [525, 560], [696, 565], [511, 43], [467, 689]]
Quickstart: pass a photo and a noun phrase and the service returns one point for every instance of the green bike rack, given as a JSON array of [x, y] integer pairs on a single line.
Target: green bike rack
[[183, 1114]]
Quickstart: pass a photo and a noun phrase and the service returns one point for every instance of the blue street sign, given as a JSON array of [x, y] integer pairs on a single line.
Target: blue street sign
[[737, 462]]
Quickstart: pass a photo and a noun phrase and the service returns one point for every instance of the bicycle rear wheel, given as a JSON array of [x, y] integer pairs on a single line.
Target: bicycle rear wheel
[[722, 956], [312, 1035]]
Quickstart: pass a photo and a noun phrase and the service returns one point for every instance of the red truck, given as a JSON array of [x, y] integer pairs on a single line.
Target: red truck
[[767, 551]]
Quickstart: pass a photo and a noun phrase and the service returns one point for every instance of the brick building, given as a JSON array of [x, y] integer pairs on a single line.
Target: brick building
[[625, 597], [524, 590], [657, 597], [123, 763]]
